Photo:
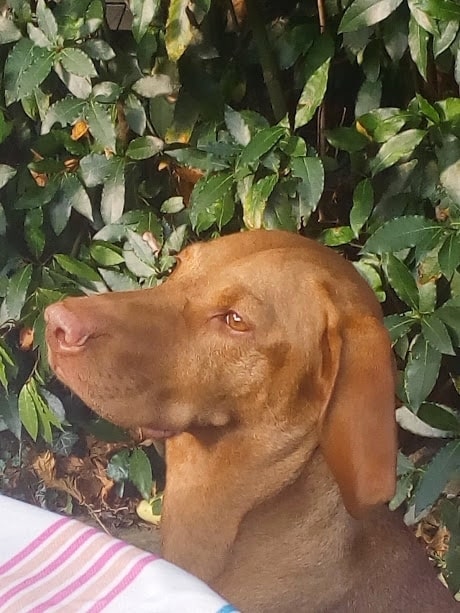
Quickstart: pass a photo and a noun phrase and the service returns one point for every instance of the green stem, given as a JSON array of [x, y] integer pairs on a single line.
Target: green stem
[[267, 59]]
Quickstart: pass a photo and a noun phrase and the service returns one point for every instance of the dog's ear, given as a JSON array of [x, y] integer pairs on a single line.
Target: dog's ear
[[358, 430]]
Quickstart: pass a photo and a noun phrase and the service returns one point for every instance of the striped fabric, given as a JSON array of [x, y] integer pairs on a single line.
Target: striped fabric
[[53, 563]]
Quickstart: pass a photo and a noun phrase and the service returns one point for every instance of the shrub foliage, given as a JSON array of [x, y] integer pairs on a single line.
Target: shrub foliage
[[337, 119]]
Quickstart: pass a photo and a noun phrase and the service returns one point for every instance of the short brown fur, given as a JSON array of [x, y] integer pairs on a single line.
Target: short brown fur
[[286, 449]]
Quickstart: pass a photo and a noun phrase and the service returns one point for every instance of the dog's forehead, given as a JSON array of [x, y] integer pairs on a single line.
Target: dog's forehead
[[230, 250]]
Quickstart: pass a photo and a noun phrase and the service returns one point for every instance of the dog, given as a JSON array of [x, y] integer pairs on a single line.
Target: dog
[[264, 362]]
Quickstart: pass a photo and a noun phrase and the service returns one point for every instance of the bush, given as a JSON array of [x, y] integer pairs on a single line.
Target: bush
[[337, 119]]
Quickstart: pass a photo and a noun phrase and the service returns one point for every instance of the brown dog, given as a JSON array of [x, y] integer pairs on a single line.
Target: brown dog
[[265, 355]]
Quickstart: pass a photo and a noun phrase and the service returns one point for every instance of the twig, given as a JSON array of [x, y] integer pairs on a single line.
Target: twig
[[321, 15], [267, 59], [96, 518], [322, 115]]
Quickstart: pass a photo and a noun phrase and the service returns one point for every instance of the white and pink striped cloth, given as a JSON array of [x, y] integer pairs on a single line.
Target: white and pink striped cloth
[[53, 563]]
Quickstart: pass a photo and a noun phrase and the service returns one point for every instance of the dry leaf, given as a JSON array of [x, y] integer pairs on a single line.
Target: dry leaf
[[79, 129], [26, 339]]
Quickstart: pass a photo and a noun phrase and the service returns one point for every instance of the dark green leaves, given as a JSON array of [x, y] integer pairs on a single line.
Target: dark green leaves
[[16, 294], [36, 411], [316, 75], [421, 371], [262, 142], [395, 148], [363, 201], [140, 472], [436, 475], [209, 201], [26, 67], [363, 13], [401, 233], [144, 147]]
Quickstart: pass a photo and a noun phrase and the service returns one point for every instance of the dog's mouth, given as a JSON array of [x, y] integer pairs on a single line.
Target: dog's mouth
[[153, 433]]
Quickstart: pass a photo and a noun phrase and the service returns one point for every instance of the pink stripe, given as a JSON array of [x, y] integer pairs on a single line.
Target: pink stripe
[[7, 566], [81, 580], [50, 568], [122, 585]]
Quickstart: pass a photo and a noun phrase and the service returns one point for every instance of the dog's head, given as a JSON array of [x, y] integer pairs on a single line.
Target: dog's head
[[251, 330]]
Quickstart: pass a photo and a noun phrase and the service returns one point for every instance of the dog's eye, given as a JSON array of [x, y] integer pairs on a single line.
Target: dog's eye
[[236, 322]]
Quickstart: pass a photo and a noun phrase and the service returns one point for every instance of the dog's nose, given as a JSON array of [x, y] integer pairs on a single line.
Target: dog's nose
[[66, 332]]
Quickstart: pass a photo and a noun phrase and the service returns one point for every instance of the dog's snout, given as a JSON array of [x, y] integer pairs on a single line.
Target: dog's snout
[[66, 332]]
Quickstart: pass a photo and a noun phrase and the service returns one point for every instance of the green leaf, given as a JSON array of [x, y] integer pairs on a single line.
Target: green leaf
[[76, 267], [78, 86], [423, 18], [310, 171], [364, 13], [363, 202], [316, 78], [143, 13], [118, 281], [439, 416], [179, 32], [154, 85], [347, 139], [395, 148], [427, 109], [16, 296], [446, 36], [37, 36], [26, 67], [401, 233], [59, 211], [106, 92], [101, 125], [418, 46], [448, 155], [399, 324], [95, 168], [436, 476], [255, 201], [173, 205], [113, 193], [435, 332], [28, 411], [141, 248], [118, 466], [402, 281], [9, 33], [63, 112], [105, 254], [384, 123], [144, 147], [10, 414], [135, 114], [368, 98], [77, 62], [206, 194], [421, 371], [395, 36], [442, 9], [449, 255], [46, 21], [33, 230], [262, 142], [237, 126], [98, 49], [140, 472], [6, 173], [76, 194], [339, 235]]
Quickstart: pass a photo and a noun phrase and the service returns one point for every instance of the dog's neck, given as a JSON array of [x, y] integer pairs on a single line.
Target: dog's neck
[[210, 496]]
